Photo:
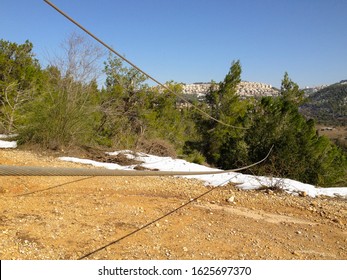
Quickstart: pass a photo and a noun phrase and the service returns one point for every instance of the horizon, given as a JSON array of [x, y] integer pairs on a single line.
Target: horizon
[[190, 41]]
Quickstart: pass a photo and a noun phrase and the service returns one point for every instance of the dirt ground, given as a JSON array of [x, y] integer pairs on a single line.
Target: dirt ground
[[127, 218], [338, 134]]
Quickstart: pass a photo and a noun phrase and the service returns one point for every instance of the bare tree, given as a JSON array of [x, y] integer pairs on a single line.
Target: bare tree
[[64, 113], [12, 99], [81, 59]]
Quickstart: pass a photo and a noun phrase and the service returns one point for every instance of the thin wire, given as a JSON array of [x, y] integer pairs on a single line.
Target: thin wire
[[53, 187], [167, 214], [152, 222], [138, 68], [9, 170]]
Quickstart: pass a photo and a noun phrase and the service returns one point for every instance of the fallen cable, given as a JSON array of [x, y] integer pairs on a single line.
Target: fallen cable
[[49, 171], [151, 222], [53, 187], [9, 170]]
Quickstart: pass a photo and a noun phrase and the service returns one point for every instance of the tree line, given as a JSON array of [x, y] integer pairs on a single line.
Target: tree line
[[62, 105]]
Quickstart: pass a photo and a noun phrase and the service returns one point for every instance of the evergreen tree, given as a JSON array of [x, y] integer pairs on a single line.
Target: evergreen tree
[[167, 118], [123, 103], [299, 152], [20, 76], [223, 145]]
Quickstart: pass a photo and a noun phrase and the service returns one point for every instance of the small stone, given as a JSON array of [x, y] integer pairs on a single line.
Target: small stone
[[336, 220], [185, 249], [298, 232], [314, 203], [268, 191], [295, 253], [157, 224], [231, 199], [303, 194]]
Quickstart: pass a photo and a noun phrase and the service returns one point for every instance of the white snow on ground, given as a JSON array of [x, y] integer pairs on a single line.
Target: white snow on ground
[[112, 166], [7, 144], [243, 181]]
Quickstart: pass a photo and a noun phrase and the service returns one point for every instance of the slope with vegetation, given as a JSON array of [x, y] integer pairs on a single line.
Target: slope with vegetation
[[328, 105], [61, 106]]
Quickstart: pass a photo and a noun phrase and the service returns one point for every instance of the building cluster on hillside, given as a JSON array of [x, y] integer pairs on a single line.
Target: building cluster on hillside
[[245, 89], [256, 89]]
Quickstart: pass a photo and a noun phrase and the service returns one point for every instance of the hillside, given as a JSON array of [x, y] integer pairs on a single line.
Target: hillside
[[328, 105], [70, 217]]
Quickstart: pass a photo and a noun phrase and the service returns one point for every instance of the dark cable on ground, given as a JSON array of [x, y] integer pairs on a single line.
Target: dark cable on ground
[[9, 170], [152, 222], [53, 187], [165, 215]]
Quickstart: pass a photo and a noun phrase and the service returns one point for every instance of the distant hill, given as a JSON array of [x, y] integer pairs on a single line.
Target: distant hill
[[328, 105]]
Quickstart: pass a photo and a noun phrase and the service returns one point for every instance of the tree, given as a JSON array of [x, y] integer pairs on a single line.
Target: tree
[[20, 76], [81, 59], [135, 116], [221, 144], [64, 113], [290, 91], [167, 118], [122, 105], [299, 152]]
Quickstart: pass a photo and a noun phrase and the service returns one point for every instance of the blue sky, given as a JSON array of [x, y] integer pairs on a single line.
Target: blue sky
[[196, 40]]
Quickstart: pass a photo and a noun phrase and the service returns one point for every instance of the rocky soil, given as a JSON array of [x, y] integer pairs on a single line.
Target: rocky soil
[[134, 218]]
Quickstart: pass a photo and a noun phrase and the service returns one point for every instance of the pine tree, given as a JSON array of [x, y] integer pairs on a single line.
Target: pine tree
[[299, 152], [223, 145]]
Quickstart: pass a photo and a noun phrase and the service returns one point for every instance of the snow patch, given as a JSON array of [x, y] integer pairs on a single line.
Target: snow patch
[[112, 166], [4, 144], [243, 181], [8, 144]]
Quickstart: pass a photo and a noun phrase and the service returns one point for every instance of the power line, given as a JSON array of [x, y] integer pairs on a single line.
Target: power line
[[10, 170], [152, 222], [138, 68], [53, 187]]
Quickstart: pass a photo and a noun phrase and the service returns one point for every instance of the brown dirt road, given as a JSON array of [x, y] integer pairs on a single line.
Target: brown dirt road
[[71, 217]]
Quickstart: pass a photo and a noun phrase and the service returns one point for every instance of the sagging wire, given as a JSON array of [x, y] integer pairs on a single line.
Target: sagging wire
[[9, 170], [139, 69], [167, 214], [154, 221], [53, 187]]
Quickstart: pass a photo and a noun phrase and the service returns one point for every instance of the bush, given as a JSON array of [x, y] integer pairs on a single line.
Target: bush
[[62, 115], [195, 157], [157, 147]]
